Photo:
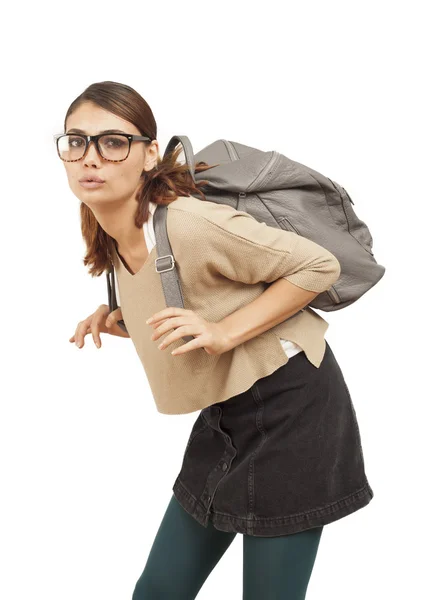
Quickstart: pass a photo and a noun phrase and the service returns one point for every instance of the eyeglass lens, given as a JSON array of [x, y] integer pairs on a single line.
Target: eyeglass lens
[[111, 146]]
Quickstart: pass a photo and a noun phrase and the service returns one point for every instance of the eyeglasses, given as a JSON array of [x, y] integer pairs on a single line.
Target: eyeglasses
[[114, 147]]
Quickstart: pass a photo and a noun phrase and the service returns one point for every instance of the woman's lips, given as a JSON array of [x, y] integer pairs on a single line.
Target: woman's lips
[[91, 184]]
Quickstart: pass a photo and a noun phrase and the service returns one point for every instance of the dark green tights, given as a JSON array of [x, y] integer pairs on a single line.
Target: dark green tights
[[184, 553]]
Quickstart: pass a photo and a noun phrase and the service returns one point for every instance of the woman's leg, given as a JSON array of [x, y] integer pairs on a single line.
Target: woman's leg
[[182, 556], [279, 568]]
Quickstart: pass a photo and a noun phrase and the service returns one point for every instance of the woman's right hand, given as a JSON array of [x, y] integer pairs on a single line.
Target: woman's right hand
[[101, 321]]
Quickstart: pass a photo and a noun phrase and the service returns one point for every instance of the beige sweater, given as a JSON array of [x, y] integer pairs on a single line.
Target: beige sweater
[[224, 258]]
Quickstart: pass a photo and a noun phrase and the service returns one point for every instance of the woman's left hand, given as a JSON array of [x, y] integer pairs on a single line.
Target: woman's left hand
[[209, 336]]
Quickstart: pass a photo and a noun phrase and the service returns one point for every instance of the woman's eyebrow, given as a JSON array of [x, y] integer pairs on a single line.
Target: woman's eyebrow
[[75, 130]]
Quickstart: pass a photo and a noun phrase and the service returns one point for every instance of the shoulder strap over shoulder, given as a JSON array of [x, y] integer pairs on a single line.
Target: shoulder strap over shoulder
[[165, 263]]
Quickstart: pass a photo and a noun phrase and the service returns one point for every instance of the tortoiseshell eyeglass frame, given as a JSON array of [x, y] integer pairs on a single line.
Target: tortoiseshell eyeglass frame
[[95, 138]]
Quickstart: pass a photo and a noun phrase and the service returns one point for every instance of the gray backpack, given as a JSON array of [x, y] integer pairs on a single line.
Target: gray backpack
[[281, 193]]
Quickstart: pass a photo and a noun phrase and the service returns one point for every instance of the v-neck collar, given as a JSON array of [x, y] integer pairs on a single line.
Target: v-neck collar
[[147, 260]]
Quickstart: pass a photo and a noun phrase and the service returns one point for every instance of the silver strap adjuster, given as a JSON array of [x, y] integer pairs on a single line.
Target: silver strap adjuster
[[162, 258]]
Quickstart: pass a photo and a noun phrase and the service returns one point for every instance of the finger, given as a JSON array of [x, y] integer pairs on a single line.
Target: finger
[[173, 323], [159, 322], [168, 313], [96, 326], [84, 327], [81, 331], [191, 329], [192, 345], [113, 318]]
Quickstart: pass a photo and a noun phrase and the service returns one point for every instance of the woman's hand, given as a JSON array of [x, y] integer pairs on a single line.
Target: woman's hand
[[210, 336], [101, 321]]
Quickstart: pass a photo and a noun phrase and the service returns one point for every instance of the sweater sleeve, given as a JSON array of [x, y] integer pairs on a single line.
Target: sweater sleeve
[[243, 249]]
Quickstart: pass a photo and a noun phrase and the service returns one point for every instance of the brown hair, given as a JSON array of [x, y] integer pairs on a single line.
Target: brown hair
[[162, 185]]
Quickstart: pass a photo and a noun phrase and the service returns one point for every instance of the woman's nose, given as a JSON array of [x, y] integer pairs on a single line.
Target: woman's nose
[[92, 154]]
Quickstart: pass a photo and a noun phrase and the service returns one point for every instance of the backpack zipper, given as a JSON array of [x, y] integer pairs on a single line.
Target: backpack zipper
[[292, 227], [267, 170], [231, 150]]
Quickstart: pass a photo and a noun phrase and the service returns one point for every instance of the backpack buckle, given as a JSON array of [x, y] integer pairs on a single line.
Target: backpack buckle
[[172, 262]]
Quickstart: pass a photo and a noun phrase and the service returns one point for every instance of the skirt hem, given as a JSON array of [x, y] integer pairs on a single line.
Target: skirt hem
[[271, 527]]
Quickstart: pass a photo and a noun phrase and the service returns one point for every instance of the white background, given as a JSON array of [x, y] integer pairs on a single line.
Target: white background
[[87, 462]]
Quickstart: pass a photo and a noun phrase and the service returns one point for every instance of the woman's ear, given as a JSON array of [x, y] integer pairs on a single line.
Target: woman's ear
[[152, 155]]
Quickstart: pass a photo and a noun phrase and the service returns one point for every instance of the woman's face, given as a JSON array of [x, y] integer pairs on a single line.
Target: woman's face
[[122, 179]]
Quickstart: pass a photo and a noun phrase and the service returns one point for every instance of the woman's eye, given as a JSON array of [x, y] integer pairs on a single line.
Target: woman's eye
[[76, 142], [114, 142]]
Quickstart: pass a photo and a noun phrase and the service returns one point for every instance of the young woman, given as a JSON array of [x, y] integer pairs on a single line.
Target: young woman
[[275, 453]]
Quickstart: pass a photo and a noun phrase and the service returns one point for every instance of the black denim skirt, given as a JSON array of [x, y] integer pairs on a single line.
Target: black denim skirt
[[281, 457]]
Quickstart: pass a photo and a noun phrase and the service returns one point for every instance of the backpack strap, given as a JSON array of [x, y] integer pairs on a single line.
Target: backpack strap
[[188, 151], [165, 263], [111, 295]]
